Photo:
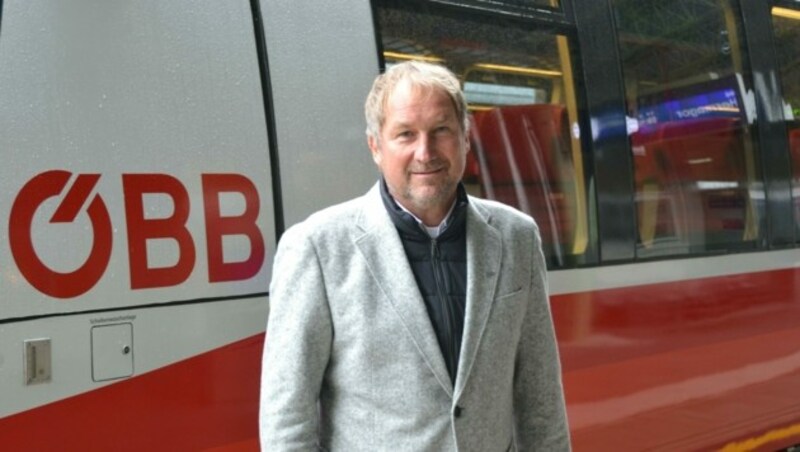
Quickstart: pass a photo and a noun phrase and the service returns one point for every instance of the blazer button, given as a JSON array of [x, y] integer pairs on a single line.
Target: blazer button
[[457, 411]]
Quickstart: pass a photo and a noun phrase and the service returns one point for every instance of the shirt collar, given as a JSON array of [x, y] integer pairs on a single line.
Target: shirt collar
[[433, 231]]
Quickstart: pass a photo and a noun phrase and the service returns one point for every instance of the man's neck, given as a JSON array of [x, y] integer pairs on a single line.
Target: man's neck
[[436, 228], [431, 217]]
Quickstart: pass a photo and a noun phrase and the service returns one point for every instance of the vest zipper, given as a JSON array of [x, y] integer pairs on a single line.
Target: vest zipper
[[447, 310]]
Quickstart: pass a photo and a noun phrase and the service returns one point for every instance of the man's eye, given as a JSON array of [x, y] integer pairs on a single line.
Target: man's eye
[[405, 134]]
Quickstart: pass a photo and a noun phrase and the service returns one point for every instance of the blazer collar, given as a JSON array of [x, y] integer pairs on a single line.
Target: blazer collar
[[484, 256], [379, 243]]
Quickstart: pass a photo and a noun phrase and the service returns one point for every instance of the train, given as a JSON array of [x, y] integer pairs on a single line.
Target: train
[[154, 152]]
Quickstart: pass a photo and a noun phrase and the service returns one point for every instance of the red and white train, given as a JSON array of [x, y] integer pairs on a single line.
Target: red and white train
[[153, 152]]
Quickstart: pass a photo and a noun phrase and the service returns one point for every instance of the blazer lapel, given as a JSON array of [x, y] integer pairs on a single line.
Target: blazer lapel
[[380, 245], [484, 255]]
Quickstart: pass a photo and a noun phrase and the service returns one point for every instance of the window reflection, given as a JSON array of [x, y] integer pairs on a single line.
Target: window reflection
[[786, 24], [523, 110], [694, 157]]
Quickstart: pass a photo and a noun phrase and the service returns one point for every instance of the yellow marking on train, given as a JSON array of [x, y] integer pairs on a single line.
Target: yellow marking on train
[[786, 12], [476, 107], [766, 438], [409, 56], [519, 69]]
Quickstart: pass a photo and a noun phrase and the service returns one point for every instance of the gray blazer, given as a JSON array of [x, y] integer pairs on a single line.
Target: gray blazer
[[351, 361]]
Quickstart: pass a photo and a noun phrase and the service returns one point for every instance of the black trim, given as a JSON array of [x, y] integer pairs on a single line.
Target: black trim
[[473, 11], [568, 11], [770, 126], [376, 29], [504, 8], [269, 113], [605, 99], [166, 304]]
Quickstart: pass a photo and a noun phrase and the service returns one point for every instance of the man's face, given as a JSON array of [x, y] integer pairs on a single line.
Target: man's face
[[422, 150]]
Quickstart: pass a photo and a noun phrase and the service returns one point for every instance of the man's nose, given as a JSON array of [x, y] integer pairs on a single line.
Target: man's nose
[[426, 147]]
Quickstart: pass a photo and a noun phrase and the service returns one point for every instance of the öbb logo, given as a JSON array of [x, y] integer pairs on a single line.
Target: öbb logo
[[135, 186]]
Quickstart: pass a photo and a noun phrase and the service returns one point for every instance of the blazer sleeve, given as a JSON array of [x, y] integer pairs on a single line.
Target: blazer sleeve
[[297, 347], [539, 408]]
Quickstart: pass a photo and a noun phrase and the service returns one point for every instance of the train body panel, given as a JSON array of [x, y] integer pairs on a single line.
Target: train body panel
[[141, 205], [87, 349], [143, 148]]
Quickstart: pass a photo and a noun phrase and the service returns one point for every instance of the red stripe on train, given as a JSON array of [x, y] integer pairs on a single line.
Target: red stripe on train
[[684, 365], [209, 401]]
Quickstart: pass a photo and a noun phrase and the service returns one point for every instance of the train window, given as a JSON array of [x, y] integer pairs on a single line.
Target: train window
[[786, 25], [526, 148], [694, 160]]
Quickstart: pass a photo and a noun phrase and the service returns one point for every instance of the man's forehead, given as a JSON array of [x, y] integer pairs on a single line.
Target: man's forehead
[[407, 88], [405, 97]]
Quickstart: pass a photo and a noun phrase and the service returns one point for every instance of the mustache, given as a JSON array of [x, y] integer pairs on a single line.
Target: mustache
[[427, 167]]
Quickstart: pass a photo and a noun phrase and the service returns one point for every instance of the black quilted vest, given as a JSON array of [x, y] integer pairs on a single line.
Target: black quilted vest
[[440, 269]]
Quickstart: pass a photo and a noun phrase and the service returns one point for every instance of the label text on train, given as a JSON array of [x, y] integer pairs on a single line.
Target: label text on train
[[140, 229]]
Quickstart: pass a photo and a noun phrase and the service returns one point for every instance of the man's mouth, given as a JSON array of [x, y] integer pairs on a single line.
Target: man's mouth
[[427, 172]]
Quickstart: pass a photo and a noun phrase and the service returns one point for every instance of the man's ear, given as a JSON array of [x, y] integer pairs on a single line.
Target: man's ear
[[374, 149]]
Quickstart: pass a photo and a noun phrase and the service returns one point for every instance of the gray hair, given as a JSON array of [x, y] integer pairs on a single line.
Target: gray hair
[[419, 74]]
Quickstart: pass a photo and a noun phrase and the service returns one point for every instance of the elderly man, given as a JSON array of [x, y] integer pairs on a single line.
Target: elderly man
[[416, 317]]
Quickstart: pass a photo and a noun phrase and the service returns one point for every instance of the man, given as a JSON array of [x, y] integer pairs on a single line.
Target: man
[[414, 318]]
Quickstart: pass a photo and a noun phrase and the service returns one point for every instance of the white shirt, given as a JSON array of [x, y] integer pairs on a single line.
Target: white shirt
[[433, 231]]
